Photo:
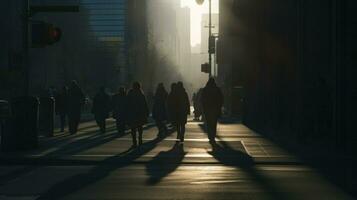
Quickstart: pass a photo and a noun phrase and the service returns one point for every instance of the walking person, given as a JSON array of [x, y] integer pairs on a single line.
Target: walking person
[[76, 99], [119, 104], [212, 101], [138, 112], [179, 108], [101, 108], [159, 111], [61, 105]]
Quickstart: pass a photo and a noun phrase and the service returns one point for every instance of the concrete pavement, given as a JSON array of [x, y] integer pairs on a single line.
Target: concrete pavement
[[91, 165]]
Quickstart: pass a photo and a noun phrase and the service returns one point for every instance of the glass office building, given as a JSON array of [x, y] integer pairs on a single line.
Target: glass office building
[[107, 21], [94, 44]]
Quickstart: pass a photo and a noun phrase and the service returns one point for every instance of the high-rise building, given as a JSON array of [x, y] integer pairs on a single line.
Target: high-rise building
[[92, 49], [168, 40]]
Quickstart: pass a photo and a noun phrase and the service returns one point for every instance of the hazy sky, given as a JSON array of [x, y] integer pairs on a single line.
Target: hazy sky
[[196, 13]]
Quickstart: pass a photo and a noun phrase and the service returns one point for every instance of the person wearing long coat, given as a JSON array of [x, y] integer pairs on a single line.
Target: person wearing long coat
[[212, 101], [119, 106], [101, 108], [76, 99], [179, 108], [138, 112], [61, 106], [159, 111]]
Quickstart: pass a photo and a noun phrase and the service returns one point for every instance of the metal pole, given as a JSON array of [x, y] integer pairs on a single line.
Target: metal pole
[[26, 48], [209, 36]]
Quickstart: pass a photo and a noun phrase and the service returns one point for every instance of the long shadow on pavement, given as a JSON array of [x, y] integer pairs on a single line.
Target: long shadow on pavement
[[99, 172], [91, 139], [164, 163], [229, 156]]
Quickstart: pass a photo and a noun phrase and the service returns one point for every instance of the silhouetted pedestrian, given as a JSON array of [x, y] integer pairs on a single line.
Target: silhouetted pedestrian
[[212, 101], [197, 104], [159, 111], [179, 108], [61, 105], [119, 103], [76, 99], [138, 112], [101, 108]]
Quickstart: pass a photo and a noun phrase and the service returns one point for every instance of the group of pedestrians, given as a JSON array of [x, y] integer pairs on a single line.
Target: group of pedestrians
[[68, 103], [130, 109]]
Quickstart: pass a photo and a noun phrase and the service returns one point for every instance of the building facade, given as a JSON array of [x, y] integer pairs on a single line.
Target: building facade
[[94, 48], [290, 66]]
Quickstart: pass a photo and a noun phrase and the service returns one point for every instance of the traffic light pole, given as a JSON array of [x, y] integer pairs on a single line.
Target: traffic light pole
[[209, 36], [29, 11], [26, 47]]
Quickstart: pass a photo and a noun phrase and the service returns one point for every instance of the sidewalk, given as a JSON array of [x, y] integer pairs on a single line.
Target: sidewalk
[[90, 147], [90, 165]]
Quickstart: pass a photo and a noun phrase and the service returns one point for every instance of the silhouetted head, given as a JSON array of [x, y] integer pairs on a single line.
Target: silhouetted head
[[74, 84], [64, 89], [173, 86], [180, 84], [122, 91], [211, 83], [160, 88], [136, 85], [160, 85]]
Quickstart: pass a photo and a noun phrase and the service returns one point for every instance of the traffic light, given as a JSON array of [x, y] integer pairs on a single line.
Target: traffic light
[[205, 68], [44, 34], [212, 45]]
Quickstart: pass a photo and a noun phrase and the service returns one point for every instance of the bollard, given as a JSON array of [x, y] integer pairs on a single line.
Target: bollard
[[47, 116], [5, 114], [21, 128]]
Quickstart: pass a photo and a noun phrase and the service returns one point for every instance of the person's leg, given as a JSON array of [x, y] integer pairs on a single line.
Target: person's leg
[[178, 129], [214, 127], [183, 130], [117, 123], [140, 130], [76, 121], [97, 120], [104, 125], [133, 135], [158, 125], [71, 123], [121, 127], [63, 121], [209, 125]]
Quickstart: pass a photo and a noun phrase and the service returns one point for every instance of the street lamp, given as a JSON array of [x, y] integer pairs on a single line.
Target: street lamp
[[200, 2]]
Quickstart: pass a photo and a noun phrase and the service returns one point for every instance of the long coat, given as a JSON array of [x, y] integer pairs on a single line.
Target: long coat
[[159, 111], [138, 111], [101, 105], [178, 106], [61, 103], [75, 99], [119, 107], [212, 101]]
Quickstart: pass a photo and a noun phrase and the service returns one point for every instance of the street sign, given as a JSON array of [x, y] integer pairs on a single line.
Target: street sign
[[205, 68]]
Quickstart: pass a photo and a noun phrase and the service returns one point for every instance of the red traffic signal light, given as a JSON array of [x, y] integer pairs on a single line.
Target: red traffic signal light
[[54, 34], [44, 34]]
